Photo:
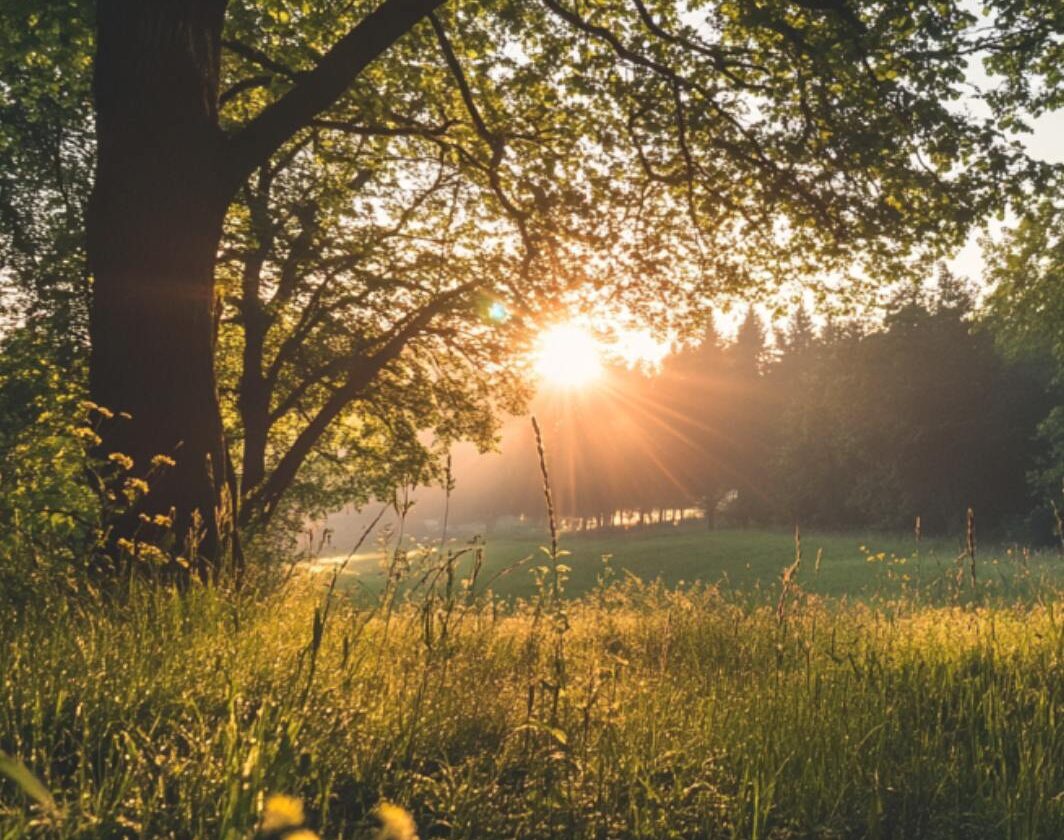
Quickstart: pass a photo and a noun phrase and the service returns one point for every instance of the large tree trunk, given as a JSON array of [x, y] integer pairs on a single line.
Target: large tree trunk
[[165, 177], [154, 224]]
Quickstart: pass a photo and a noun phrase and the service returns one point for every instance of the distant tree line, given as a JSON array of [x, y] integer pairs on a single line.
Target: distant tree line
[[849, 424]]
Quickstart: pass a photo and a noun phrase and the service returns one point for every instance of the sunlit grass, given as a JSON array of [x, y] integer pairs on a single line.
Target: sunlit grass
[[633, 712]]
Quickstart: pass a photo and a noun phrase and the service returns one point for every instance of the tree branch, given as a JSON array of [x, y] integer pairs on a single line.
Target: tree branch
[[714, 53], [257, 56], [376, 130], [494, 140], [242, 86], [362, 371], [321, 87], [298, 251], [755, 154]]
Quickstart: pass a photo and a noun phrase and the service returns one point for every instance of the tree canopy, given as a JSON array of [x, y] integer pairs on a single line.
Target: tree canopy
[[373, 207]]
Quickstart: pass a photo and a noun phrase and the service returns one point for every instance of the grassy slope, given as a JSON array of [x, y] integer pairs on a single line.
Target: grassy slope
[[744, 559], [634, 713]]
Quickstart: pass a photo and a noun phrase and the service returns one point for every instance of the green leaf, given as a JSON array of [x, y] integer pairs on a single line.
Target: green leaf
[[17, 772]]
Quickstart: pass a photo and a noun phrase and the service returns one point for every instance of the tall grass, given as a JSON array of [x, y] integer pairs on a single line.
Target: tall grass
[[635, 711]]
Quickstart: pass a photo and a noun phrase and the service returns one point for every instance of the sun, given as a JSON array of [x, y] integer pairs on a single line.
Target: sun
[[568, 356]]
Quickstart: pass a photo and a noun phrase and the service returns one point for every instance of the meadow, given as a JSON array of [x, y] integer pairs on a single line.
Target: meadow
[[265, 263], [855, 564], [634, 710]]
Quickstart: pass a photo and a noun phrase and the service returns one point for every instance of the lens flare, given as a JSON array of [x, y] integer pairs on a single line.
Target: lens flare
[[497, 312]]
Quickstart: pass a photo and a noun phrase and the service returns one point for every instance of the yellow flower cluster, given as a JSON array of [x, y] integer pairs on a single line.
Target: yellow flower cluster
[[395, 823], [283, 815], [120, 458], [87, 434]]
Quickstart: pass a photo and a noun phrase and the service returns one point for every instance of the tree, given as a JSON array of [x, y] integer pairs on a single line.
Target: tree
[[748, 418], [764, 137], [695, 408], [1026, 312], [166, 175], [748, 352], [918, 416], [46, 156], [1026, 271], [800, 334], [350, 324]]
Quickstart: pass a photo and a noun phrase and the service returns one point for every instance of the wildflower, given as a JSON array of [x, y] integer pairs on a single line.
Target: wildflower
[[90, 406], [153, 554], [162, 461], [301, 834], [282, 812], [87, 434], [120, 458], [395, 823], [135, 487]]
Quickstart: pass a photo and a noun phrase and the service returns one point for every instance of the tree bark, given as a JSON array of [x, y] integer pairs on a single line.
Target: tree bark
[[254, 390], [254, 405], [153, 227]]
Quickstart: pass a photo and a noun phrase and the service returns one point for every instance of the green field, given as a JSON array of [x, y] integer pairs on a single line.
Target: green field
[[881, 696], [855, 565], [635, 713]]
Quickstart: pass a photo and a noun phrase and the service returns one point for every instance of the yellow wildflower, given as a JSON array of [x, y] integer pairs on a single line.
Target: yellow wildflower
[[162, 461], [395, 823], [120, 458], [153, 554], [85, 433], [136, 486], [282, 812]]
